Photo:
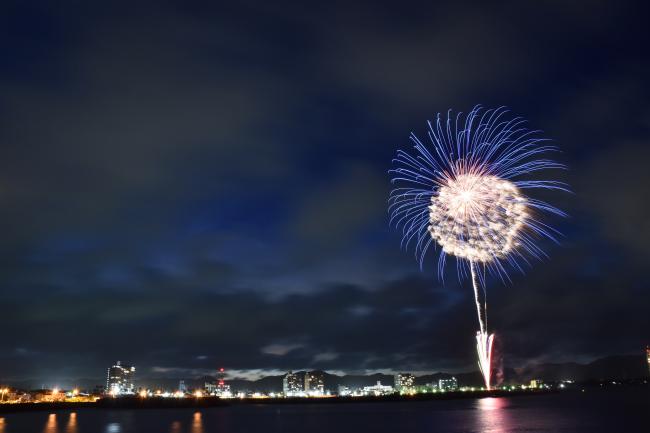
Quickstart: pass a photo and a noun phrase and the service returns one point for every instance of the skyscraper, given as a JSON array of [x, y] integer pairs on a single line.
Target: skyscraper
[[315, 383], [119, 379], [404, 382], [291, 385]]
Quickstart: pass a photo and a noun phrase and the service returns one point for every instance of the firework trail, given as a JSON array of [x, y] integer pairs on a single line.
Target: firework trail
[[466, 194]]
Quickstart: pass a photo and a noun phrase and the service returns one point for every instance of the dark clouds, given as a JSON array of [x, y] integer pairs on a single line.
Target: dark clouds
[[187, 186]]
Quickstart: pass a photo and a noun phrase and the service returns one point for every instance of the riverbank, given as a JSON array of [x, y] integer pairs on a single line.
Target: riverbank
[[205, 402]]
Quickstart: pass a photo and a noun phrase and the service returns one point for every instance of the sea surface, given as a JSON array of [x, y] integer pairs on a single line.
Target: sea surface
[[624, 410]]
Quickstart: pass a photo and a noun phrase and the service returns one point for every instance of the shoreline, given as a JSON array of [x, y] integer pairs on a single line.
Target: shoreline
[[137, 403]]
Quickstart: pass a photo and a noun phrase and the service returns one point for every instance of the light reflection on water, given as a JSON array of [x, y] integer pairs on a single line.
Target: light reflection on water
[[493, 416], [197, 423], [50, 425], [113, 427], [591, 412], [2, 425], [176, 427], [72, 423]]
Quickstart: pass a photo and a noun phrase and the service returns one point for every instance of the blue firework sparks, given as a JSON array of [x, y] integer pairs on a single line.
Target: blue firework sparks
[[466, 191]]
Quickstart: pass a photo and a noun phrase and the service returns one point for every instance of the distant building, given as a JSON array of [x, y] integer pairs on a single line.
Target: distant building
[[182, 387], [404, 382], [378, 389], [426, 388], [210, 388], [119, 379], [291, 385], [450, 384], [49, 396], [647, 354], [315, 383], [536, 383], [344, 391], [223, 389], [218, 387]]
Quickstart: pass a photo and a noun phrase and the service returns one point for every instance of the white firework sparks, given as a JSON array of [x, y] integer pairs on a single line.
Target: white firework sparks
[[477, 217]]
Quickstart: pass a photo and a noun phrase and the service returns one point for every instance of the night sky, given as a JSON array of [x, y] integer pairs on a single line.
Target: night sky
[[185, 187]]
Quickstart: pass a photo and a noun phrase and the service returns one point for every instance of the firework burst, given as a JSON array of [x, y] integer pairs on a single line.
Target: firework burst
[[466, 194]]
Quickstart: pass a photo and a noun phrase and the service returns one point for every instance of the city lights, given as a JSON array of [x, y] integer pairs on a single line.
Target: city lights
[[295, 384]]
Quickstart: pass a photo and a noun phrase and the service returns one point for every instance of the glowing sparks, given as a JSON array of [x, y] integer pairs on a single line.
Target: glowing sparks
[[484, 350], [477, 217], [466, 194]]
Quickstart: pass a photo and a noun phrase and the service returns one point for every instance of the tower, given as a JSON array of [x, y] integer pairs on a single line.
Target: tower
[[291, 385], [119, 379], [314, 383]]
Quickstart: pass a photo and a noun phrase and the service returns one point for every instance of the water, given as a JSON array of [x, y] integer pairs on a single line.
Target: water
[[618, 410]]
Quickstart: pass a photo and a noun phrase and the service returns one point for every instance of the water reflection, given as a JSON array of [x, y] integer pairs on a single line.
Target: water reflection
[[113, 427], [72, 423], [50, 425], [197, 423], [176, 427], [2, 425], [493, 416]]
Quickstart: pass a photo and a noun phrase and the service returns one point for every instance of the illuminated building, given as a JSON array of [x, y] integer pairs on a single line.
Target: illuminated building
[[314, 383], [119, 380], [291, 385], [536, 383], [344, 391], [378, 389], [223, 389], [181, 386], [404, 382], [210, 388], [647, 354], [450, 384]]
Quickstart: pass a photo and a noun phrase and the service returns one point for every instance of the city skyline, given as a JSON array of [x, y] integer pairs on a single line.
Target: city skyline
[[218, 380], [195, 186]]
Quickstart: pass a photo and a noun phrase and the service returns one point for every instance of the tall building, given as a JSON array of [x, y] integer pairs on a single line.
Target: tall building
[[647, 354], [291, 385], [315, 383], [404, 382], [223, 389], [450, 384], [182, 387], [218, 386], [119, 380]]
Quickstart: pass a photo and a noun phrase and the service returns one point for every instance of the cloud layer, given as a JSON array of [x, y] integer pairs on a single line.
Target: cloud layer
[[200, 186]]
